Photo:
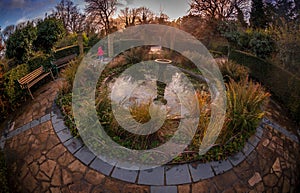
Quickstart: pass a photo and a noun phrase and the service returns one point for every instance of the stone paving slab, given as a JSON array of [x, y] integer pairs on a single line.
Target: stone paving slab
[[125, 175], [254, 140], [59, 125], [64, 135], [219, 167], [259, 132], [85, 155], [248, 148], [153, 176], [102, 166], [45, 118], [237, 158], [200, 171], [73, 144], [178, 174], [163, 189]]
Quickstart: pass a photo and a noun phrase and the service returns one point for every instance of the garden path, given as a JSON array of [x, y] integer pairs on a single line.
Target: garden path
[[39, 161]]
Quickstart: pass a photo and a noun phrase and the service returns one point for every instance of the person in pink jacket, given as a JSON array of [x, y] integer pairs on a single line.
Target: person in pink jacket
[[100, 53]]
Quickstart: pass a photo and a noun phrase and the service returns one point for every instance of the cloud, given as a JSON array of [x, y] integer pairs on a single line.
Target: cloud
[[24, 4], [13, 4], [21, 20], [125, 3]]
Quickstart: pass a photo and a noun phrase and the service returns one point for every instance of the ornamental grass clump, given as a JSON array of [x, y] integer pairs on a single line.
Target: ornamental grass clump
[[68, 74], [233, 70], [245, 101]]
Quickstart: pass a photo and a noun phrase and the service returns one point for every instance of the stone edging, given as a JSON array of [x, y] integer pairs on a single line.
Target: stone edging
[[158, 178], [169, 175], [9, 134]]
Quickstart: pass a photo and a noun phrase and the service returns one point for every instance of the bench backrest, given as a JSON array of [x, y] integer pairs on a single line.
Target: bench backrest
[[31, 76], [64, 59]]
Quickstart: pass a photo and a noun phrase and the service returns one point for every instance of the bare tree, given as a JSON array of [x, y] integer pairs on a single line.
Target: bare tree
[[129, 16], [162, 18], [70, 15], [91, 26], [103, 9], [217, 9], [145, 15]]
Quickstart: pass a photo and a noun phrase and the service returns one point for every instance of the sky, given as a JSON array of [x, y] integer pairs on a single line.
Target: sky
[[17, 11]]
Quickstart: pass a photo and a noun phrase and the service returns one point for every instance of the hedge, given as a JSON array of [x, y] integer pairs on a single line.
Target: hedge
[[39, 60], [283, 84], [66, 51], [15, 94]]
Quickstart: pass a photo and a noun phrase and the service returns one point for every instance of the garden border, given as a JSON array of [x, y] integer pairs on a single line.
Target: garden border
[[168, 175]]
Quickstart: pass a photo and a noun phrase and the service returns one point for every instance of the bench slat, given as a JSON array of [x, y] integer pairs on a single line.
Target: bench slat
[[31, 76], [64, 60], [37, 80]]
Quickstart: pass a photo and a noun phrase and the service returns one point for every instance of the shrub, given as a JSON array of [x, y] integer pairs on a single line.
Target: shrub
[[261, 44], [258, 42], [12, 88], [245, 100], [66, 41], [138, 111], [223, 49], [288, 47], [283, 84], [66, 51], [69, 75], [64, 101], [93, 40], [232, 70], [229, 30], [39, 60], [136, 55]]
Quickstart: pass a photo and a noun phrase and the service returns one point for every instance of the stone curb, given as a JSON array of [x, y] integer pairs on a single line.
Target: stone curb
[[161, 179], [9, 134], [285, 132]]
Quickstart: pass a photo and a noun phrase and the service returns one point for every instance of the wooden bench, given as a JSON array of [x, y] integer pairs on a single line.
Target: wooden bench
[[32, 78], [63, 61]]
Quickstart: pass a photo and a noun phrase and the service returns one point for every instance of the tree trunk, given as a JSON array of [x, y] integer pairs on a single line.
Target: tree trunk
[[80, 43]]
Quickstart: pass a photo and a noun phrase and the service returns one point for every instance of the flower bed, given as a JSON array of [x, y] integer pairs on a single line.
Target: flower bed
[[245, 100]]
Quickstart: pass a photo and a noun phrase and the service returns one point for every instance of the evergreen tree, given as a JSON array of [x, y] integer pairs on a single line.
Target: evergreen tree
[[240, 17], [258, 17], [20, 44], [49, 32]]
